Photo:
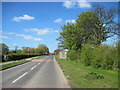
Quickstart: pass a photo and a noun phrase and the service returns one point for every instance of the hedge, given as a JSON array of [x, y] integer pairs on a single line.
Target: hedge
[[17, 56], [103, 56]]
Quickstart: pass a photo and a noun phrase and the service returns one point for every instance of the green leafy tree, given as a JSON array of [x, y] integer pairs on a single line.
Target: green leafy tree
[[57, 51], [88, 23], [24, 49], [73, 36], [42, 49], [32, 50], [4, 49], [91, 27]]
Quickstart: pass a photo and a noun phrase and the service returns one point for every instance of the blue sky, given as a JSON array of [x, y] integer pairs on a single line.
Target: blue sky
[[33, 23]]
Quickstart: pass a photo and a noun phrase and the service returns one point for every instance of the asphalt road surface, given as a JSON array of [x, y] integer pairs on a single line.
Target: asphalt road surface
[[39, 73]]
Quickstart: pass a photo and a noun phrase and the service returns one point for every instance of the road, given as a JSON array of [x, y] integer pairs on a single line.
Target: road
[[39, 73]]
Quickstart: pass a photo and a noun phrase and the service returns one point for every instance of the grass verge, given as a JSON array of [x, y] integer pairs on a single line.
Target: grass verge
[[18, 62], [5, 66], [80, 76]]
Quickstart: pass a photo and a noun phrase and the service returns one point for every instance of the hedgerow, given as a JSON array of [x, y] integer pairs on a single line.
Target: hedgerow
[[103, 56], [18, 56]]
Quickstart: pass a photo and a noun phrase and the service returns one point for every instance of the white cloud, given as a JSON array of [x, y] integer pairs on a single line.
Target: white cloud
[[39, 31], [69, 4], [5, 37], [70, 21], [58, 20], [83, 4], [14, 44], [79, 3], [24, 17], [25, 36], [20, 35], [37, 39], [7, 33], [42, 31], [29, 37], [56, 31]]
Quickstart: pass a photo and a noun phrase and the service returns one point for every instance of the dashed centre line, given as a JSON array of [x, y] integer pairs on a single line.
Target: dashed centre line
[[23, 74], [33, 67], [19, 77]]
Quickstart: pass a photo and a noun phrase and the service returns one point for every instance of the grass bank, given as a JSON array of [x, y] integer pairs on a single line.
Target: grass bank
[[80, 76], [17, 62], [5, 66]]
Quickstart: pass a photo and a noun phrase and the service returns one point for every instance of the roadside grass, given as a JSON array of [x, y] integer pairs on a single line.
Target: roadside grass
[[17, 62], [36, 57], [76, 74], [12, 64]]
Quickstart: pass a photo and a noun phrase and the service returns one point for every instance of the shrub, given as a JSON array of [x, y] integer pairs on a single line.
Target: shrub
[[18, 56], [1, 58], [100, 56], [73, 55], [86, 54], [105, 57], [96, 61]]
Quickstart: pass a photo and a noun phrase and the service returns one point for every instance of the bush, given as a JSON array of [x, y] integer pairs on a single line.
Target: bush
[[96, 62], [100, 56], [73, 55], [86, 54], [1, 58], [103, 56], [18, 56]]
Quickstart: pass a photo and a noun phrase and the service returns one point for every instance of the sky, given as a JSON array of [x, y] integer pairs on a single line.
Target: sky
[[32, 23]]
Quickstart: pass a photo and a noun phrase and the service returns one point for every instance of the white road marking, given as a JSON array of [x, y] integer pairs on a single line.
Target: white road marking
[[19, 77], [33, 67], [38, 63]]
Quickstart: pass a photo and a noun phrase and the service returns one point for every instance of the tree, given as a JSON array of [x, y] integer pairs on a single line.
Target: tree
[[88, 24], [107, 15], [4, 49], [24, 49], [42, 49], [73, 36], [91, 27], [32, 50], [70, 36], [56, 52]]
